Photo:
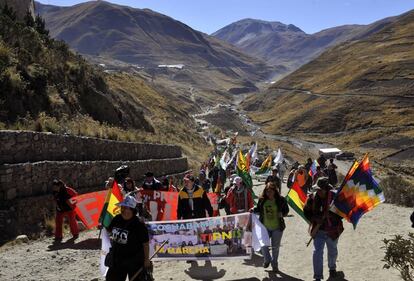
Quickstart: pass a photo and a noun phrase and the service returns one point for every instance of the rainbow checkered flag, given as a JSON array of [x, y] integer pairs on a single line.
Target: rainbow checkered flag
[[359, 193]]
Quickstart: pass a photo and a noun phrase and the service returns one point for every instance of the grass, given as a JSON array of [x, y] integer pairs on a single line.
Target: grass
[[398, 191]]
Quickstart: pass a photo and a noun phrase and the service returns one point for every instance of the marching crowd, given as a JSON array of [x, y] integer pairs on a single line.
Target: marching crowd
[[129, 255]]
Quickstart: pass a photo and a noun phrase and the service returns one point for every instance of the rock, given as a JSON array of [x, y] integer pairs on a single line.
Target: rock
[[22, 239], [11, 193]]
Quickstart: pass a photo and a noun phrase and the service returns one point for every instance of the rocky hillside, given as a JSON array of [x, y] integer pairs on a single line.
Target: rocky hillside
[[287, 46], [358, 95], [21, 7], [46, 87]]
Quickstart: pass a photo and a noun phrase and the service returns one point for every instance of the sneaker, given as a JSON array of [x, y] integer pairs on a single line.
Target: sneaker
[[266, 264], [332, 273]]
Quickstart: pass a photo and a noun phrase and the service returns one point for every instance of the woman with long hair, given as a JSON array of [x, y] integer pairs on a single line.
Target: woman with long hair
[[272, 207]]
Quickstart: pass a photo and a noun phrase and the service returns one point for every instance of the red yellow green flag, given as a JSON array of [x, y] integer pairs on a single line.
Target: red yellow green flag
[[243, 170], [296, 198], [110, 210], [266, 165]]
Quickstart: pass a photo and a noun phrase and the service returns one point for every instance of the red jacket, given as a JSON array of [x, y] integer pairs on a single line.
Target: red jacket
[[237, 201]]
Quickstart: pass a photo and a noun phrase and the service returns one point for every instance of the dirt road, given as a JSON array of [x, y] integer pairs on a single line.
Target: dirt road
[[360, 255]]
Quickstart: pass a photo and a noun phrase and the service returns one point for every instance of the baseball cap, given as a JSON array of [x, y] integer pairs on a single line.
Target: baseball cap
[[128, 201]]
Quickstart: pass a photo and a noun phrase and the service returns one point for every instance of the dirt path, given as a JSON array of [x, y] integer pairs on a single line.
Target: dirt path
[[359, 259]]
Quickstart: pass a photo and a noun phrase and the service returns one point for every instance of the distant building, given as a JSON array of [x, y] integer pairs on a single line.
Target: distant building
[[20, 7]]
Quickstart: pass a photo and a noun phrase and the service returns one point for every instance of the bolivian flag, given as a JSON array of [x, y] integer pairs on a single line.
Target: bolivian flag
[[296, 198], [109, 209], [266, 166], [243, 170]]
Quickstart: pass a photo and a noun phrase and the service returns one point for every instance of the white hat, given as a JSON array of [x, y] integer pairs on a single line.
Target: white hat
[[128, 201], [237, 180]]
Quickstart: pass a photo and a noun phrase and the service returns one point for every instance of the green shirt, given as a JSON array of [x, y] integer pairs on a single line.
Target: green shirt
[[271, 215]]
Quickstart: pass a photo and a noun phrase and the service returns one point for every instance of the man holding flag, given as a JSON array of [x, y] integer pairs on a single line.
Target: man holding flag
[[325, 228]]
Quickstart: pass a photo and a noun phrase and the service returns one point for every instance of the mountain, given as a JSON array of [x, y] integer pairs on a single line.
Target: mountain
[[287, 46], [112, 33], [357, 95]]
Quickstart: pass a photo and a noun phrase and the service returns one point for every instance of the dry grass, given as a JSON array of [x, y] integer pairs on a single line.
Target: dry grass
[[399, 191]]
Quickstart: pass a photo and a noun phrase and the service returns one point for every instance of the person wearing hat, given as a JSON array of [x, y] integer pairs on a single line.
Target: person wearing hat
[[239, 197], [150, 182], [65, 207], [193, 202], [129, 250], [326, 227]]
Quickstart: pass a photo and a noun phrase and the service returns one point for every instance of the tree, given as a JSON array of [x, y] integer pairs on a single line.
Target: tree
[[40, 25], [9, 12], [28, 19]]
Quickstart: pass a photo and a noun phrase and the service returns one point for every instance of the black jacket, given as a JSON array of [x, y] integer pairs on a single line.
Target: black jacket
[[201, 204], [281, 205]]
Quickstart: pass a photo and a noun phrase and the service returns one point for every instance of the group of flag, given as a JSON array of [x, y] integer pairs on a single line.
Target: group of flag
[[358, 194]]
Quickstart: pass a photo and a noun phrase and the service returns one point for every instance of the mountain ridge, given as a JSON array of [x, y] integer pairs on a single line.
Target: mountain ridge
[[290, 50]]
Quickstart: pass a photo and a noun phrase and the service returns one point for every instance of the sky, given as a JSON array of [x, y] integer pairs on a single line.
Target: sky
[[309, 15]]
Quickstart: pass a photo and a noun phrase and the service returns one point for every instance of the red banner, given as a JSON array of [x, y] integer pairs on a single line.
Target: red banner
[[161, 204], [89, 207]]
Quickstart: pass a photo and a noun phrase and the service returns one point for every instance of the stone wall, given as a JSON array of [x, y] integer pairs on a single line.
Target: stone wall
[[33, 146], [34, 179], [31, 160]]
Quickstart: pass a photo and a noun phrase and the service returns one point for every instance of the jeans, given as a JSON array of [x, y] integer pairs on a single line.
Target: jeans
[[319, 244], [276, 237]]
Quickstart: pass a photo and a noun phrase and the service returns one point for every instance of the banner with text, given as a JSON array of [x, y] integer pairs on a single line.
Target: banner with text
[[202, 239], [89, 207], [162, 205]]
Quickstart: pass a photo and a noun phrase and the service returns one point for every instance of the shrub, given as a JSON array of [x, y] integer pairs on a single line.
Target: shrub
[[399, 191], [399, 254]]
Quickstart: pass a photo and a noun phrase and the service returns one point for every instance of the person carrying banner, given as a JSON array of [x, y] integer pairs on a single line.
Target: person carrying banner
[[129, 186], [326, 227], [272, 207], [193, 201], [239, 197], [64, 208], [203, 181], [129, 250], [150, 182]]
